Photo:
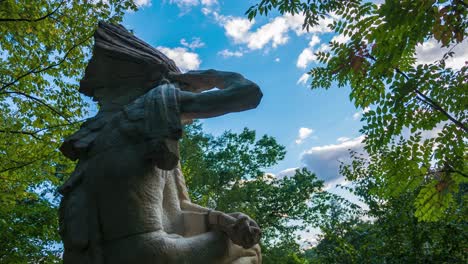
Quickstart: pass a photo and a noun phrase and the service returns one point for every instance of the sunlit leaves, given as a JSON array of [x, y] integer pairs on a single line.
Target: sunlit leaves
[[44, 48], [417, 122]]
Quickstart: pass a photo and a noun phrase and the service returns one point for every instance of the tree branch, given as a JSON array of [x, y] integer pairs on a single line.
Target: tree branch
[[425, 99], [45, 157], [35, 132], [436, 106], [19, 166], [60, 125], [36, 70], [29, 133], [32, 20], [40, 101]]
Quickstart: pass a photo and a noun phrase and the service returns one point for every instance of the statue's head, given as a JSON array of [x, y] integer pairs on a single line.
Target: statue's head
[[123, 67]]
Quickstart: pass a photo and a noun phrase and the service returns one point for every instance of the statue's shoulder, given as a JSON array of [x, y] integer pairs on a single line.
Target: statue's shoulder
[[75, 144], [153, 112]]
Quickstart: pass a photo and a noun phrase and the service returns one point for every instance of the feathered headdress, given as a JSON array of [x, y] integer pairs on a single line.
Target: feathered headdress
[[123, 66]]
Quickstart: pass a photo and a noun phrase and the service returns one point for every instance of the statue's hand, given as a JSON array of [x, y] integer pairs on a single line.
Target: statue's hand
[[240, 228], [244, 232], [197, 81]]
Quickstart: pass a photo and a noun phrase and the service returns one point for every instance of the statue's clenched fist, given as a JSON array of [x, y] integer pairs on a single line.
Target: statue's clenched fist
[[240, 228]]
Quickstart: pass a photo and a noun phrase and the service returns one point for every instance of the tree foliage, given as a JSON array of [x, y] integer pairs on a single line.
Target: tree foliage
[[226, 173], [392, 233], [44, 47], [416, 130]]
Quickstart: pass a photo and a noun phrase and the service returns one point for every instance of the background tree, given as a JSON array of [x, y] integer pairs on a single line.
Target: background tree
[[44, 46], [392, 233], [406, 97], [226, 173]]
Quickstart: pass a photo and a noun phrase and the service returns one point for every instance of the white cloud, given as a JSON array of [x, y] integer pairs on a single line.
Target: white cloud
[[303, 134], [431, 51], [358, 115], [340, 39], [184, 59], [314, 40], [287, 173], [304, 78], [308, 54], [274, 33], [237, 28], [277, 60], [184, 3], [141, 3], [209, 2], [322, 26], [187, 5], [195, 44], [343, 139], [227, 53], [325, 160]]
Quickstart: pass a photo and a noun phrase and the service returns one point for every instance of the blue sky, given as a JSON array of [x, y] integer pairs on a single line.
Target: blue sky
[[316, 126]]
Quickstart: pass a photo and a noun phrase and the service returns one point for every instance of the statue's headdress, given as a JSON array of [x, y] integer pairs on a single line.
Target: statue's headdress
[[123, 66], [121, 69]]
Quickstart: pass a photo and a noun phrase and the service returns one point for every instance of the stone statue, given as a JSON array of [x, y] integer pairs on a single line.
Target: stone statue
[[127, 202]]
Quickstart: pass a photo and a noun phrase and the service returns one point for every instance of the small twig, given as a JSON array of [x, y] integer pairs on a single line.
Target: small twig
[[450, 50], [40, 101], [29, 133], [32, 20], [36, 70], [13, 180], [452, 169], [19, 166], [45, 157], [35, 132], [425, 99], [60, 125]]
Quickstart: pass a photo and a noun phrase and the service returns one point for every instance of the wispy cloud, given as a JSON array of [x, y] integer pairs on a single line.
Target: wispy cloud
[[195, 44], [357, 115], [308, 54], [303, 79], [303, 134], [142, 3], [227, 53], [343, 139], [325, 160], [186, 6]]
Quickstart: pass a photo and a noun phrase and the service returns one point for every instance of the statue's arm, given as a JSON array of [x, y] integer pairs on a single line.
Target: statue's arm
[[235, 94]]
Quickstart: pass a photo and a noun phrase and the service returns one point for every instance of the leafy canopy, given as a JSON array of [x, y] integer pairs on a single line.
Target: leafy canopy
[[44, 48], [226, 173], [416, 130], [389, 232]]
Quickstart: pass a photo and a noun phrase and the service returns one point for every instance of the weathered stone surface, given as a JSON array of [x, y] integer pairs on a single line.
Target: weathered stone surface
[[127, 201]]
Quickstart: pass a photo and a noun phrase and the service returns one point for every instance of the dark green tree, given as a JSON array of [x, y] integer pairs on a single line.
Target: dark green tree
[[227, 173], [388, 231]]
